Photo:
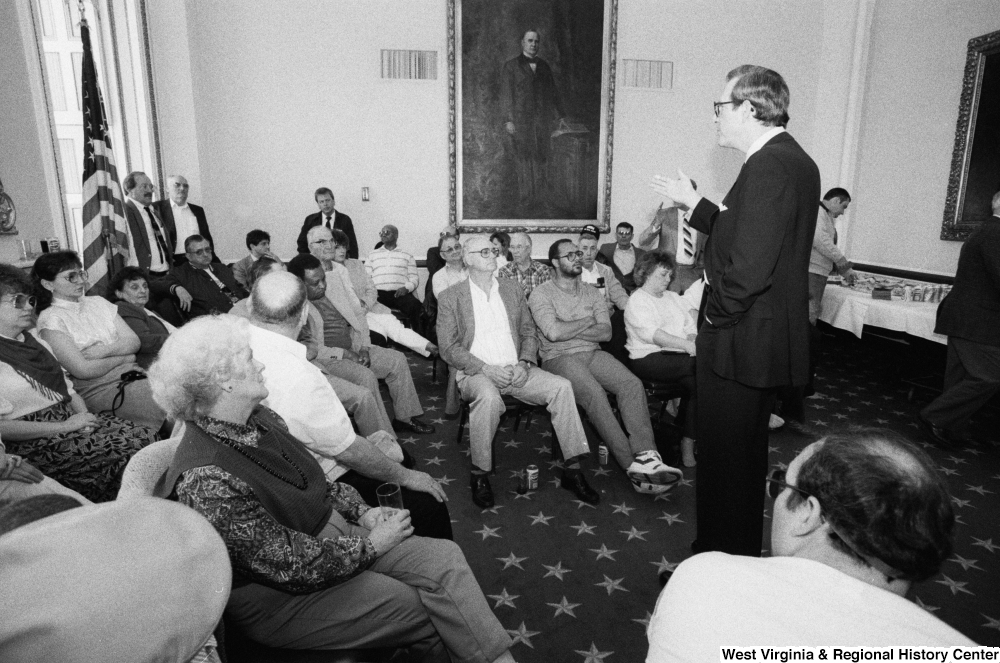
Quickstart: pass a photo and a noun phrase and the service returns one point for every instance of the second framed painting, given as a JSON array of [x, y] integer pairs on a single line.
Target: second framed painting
[[531, 101]]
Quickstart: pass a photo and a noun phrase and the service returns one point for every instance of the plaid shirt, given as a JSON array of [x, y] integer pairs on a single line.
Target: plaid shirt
[[536, 274]]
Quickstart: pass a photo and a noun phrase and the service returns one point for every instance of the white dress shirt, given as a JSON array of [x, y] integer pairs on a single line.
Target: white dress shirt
[[156, 264], [185, 223], [493, 343], [762, 140], [303, 397]]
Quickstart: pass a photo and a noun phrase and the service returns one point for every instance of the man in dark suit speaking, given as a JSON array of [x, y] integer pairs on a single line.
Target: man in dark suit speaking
[[529, 104], [970, 316], [754, 336], [328, 216]]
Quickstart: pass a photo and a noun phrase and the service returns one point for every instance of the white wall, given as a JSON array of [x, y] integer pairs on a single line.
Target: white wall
[[914, 83], [26, 169]]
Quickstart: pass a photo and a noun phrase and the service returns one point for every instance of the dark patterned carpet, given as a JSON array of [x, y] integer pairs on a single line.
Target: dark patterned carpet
[[573, 582]]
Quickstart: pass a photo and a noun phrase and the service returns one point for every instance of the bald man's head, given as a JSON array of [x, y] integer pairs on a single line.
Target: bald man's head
[[278, 298]]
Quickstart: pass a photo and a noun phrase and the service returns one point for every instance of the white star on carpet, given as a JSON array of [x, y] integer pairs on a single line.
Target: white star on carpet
[[555, 463], [986, 543], [540, 518], [928, 608], [600, 471], [671, 519], [437, 421], [436, 445], [546, 433], [488, 531], [664, 565], [604, 552], [522, 635], [407, 440], [511, 560], [966, 563], [434, 461], [542, 449], [611, 585], [978, 489], [503, 598], [558, 571], [961, 503], [580, 504], [494, 509], [445, 480], [634, 533], [594, 655], [991, 623], [645, 620], [511, 443], [564, 607], [525, 496], [954, 585], [622, 508], [583, 528]]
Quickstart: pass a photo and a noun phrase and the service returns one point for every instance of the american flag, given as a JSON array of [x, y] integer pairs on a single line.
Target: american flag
[[105, 242]]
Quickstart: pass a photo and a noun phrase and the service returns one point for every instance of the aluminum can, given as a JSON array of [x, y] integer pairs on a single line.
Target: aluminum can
[[918, 294], [53, 244], [908, 293], [532, 473], [602, 454]]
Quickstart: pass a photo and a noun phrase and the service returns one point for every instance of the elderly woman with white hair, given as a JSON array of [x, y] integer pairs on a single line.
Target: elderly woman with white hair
[[314, 566]]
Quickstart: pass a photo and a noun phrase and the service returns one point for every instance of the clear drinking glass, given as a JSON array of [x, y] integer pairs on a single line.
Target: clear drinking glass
[[390, 498]]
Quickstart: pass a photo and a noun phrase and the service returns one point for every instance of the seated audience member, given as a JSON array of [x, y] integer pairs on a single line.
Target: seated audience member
[[454, 270], [435, 260], [379, 318], [130, 290], [671, 232], [501, 242], [329, 218], [20, 480], [572, 319], [259, 244], [201, 287], [857, 518], [621, 256], [91, 341], [302, 396], [529, 273], [339, 332], [394, 273], [487, 334], [603, 278], [661, 331], [143, 581], [365, 406], [314, 566], [43, 420]]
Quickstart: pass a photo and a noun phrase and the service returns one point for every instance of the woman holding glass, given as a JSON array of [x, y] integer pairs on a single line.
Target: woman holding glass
[[314, 566], [661, 330], [43, 420], [91, 341]]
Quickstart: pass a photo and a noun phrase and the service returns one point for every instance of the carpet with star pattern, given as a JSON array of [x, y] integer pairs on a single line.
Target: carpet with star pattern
[[574, 582]]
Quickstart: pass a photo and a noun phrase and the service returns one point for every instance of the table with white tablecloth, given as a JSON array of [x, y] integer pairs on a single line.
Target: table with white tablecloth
[[851, 310]]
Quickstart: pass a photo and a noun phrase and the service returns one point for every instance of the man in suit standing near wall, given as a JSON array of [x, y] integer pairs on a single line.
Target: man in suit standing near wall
[[182, 219], [329, 217], [754, 336], [970, 316], [150, 245]]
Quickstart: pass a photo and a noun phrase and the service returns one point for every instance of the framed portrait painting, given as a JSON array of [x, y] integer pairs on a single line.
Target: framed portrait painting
[[531, 102]]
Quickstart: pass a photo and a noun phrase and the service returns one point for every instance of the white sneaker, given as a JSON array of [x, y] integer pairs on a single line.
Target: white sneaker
[[646, 488], [648, 467]]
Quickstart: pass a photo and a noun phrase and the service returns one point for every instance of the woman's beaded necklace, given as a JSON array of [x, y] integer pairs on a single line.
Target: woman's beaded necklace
[[241, 449]]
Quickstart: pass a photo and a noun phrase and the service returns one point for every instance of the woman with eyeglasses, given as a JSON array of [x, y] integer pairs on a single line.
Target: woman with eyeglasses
[[129, 291], [91, 341], [454, 265], [43, 420]]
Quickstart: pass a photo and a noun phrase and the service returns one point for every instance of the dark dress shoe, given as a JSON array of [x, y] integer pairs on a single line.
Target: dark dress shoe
[[936, 435], [575, 482], [415, 425], [482, 493]]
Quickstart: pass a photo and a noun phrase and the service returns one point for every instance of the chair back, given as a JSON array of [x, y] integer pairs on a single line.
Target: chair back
[[146, 470]]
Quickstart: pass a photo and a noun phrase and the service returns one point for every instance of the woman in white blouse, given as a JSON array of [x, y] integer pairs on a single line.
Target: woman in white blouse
[[91, 341], [454, 266], [661, 331]]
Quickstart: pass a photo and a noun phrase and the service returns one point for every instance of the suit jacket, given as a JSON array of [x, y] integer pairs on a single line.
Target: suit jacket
[[667, 235], [528, 97], [340, 293], [606, 255], [166, 212], [340, 222], [141, 245], [757, 260], [456, 325], [206, 296], [972, 309]]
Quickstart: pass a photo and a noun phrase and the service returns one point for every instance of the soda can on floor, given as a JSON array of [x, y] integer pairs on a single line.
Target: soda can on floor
[[532, 474], [602, 453]]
